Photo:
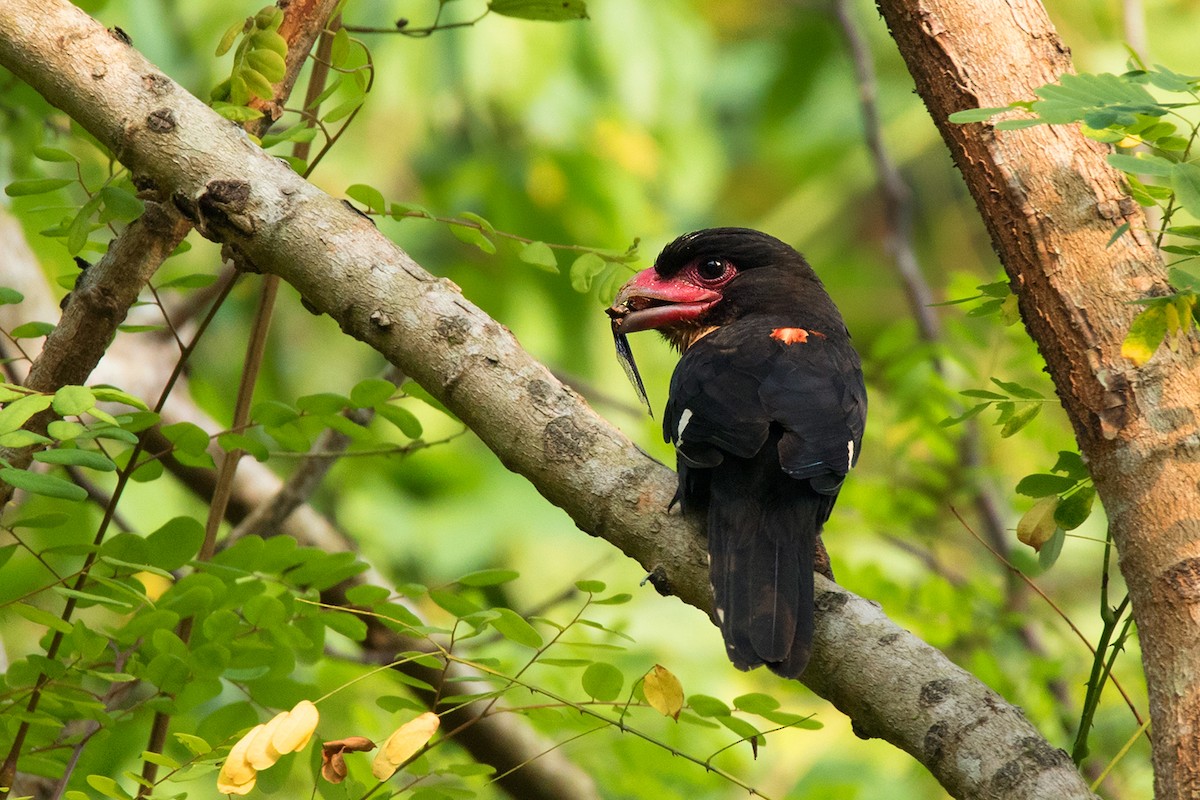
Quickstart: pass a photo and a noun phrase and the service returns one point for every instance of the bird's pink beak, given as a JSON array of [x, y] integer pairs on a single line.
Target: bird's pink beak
[[647, 302]]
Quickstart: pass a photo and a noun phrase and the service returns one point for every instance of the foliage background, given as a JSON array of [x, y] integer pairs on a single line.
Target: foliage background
[[648, 120]]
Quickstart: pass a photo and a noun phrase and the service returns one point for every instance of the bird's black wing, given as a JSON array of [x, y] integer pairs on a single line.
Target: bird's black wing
[[765, 431]]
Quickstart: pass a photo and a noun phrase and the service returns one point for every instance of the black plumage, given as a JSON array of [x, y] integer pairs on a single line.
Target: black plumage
[[766, 411]]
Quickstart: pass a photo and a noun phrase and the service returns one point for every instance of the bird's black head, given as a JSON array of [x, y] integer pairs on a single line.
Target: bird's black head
[[709, 278]]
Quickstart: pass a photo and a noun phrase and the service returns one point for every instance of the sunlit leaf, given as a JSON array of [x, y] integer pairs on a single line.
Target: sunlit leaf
[[1146, 333], [404, 743], [663, 691]]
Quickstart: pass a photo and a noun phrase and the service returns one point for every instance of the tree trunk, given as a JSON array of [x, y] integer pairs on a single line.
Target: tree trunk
[[893, 685], [1051, 204]]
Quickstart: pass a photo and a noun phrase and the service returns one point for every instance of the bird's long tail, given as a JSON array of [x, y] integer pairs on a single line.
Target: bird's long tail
[[762, 532]]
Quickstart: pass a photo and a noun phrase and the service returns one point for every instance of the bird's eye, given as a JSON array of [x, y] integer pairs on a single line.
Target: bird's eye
[[712, 269]]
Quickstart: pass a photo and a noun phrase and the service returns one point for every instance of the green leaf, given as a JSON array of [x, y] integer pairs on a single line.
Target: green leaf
[[121, 204], [743, 729], [983, 394], [73, 401], [81, 225], [371, 392], [614, 600], [455, 603], [584, 269], [43, 153], [472, 235], [1075, 508], [539, 254], [1075, 95], [322, 403], [483, 224], [39, 617], [195, 280], [512, 626], [18, 412], [756, 703], [1185, 180], [348, 625], [273, 412], [369, 196], [1146, 333], [343, 110], [267, 62], [402, 418], [10, 296], [1044, 485], [89, 459], [229, 37], [23, 438], [240, 441], [31, 330], [590, 587], [1017, 390], [257, 83], [36, 186], [548, 10], [46, 485], [1142, 164], [237, 113], [1020, 419], [1051, 549], [602, 681], [1071, 463], [187, 437], [340, 48], [976, 114], [707, 706], [38, 521], [488, 577], [175, 543]]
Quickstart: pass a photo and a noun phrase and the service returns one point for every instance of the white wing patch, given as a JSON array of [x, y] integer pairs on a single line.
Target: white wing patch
[[684, 419], [850, 453]]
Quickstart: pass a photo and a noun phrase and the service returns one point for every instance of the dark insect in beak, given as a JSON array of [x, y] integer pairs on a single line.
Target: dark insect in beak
[[625, 356]]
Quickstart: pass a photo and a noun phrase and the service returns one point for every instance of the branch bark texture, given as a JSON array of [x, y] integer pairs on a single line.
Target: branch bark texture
[[892, 684], [1051, 204]]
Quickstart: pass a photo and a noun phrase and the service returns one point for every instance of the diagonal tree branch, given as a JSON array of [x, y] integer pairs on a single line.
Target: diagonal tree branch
[[105, 291], [892, 684]]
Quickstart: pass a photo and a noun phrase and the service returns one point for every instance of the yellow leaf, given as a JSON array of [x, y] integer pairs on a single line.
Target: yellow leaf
[[236, 775], [296, 728], [154, 584], [1038, 525], [261, 753], [663, 691], [404, 743]]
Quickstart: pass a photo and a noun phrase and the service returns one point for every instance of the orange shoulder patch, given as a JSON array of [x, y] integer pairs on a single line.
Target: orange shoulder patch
[[794, 335]]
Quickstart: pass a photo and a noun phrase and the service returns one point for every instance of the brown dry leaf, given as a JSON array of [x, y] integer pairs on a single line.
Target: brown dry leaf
[[333, 761], [236, 775], [296, 728], [663, 691], [404, 743]]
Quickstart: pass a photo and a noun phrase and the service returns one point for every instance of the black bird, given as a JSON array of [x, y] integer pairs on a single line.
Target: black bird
[[766, 412]]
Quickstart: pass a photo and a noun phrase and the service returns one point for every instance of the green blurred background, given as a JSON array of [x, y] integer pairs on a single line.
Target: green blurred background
[[645, 121]]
